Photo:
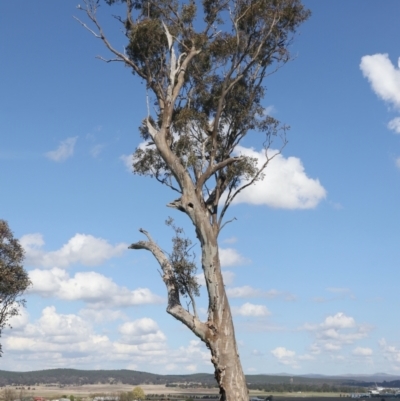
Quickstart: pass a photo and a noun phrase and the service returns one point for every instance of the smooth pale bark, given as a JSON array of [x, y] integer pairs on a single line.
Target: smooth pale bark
[[218, 331]]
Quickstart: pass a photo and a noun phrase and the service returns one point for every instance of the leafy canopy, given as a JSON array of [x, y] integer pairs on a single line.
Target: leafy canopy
[[204, 64], [14, 280]]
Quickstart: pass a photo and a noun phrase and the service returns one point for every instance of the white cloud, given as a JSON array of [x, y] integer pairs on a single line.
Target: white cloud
[[128, 162], [64, 151], [141, 331], [64, 340], [82, 248], [282, 353], [338, 321], [360, 351], [231, 257], [398, 162], [93, 288], [55, 333], [285, 184], [249, 309], [394, 125], [58, 340], [285, 356], [290, 358], [335, 332], [383, 76], [19, 321]]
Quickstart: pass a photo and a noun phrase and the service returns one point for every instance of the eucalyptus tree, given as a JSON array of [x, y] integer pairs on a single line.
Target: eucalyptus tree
[[204, 65], [14, 279]]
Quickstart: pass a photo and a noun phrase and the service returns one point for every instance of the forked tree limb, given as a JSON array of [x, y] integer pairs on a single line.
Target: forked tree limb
[[174, 307]]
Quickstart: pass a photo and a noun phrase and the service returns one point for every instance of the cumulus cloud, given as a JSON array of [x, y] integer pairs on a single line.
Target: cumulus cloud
[[285, 356], [335, 332], [64, 340], [231, 257], [249, 309], [383, 76], [285, 185], [19, 321], [80, 249], [282, 353], [56, 334], [93, 288], [290, 358], [141, 331], [64, 151]]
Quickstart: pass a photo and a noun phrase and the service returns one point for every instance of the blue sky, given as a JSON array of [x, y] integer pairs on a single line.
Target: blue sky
[[311, 264]]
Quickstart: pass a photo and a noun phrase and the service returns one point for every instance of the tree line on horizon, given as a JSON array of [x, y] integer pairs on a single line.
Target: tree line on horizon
[[271, 383]]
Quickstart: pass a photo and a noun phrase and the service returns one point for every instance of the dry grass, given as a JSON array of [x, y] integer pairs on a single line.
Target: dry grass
[[87, 391]]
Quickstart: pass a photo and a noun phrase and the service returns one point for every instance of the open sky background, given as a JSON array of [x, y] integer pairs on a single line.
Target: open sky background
[[312, 263]]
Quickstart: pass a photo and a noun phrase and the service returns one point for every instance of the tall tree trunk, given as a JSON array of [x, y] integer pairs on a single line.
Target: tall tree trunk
[[220, 338], [225, 358]]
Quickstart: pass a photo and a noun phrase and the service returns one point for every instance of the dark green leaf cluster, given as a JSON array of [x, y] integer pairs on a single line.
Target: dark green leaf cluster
[[14, 280], [182, 260]]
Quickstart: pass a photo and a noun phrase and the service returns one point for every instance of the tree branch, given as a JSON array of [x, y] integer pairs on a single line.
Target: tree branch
[[174, 305], [91, 13]]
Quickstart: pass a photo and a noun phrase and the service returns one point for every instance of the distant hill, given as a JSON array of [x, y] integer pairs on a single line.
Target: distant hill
[[133, 377]]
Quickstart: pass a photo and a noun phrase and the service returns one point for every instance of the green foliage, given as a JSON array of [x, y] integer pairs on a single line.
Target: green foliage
[[182, 260], [14, 280], [207, 84], [71, 398]]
